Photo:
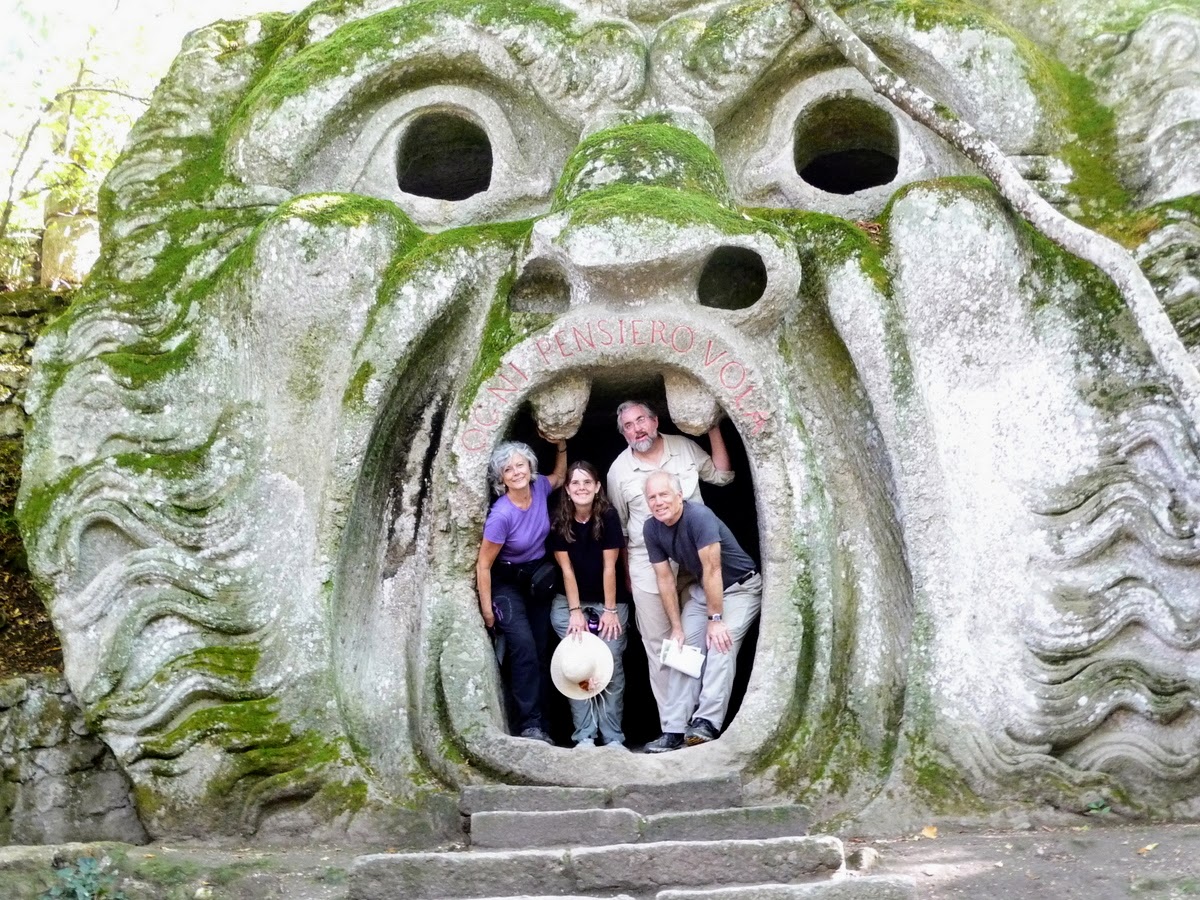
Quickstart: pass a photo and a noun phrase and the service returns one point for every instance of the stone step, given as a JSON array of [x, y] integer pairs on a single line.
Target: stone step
[[596, 827], [514, 798], [569, 828], [874, 887], [635, 868], [683, 796], [707, 793], [868, 887], [743, 823]]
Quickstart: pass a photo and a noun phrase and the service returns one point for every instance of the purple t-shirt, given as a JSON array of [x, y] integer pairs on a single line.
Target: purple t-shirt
[[521, 532]]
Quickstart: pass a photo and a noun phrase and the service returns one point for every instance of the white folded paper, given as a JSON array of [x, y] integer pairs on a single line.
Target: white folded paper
[[684, 657]]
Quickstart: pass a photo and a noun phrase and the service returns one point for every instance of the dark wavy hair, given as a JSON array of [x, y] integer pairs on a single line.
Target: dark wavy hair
[[564, 515]]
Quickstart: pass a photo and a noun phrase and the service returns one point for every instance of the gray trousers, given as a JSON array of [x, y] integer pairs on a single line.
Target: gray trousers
[[602, 713], [707, 697]]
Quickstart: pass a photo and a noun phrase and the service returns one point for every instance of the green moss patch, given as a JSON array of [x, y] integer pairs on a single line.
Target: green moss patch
[[637, 203], [642, 153], [387, 35]]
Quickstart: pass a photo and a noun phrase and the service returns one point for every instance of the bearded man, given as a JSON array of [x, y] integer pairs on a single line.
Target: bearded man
[[650, 451]]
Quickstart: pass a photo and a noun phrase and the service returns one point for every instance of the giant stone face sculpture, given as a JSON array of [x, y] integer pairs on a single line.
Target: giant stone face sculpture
[[348, 251]]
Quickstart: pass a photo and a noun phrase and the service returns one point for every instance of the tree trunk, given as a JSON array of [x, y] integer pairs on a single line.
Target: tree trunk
[[1107, 255]]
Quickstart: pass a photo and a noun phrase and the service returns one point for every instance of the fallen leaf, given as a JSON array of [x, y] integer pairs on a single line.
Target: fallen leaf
[[929, 831], [1147, 848]]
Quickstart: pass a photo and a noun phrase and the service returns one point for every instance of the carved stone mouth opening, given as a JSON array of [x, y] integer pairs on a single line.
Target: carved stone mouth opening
[[599, 442], [566, 380]]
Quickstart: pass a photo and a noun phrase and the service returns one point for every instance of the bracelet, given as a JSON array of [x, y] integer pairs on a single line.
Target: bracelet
[[607, 610], [575, 608]]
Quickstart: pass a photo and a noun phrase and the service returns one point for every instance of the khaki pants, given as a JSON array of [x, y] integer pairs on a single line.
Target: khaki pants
[[655, 627], [707, 697]]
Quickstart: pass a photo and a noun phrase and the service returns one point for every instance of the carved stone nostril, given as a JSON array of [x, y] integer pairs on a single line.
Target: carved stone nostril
[[541, 288], [733, 278]]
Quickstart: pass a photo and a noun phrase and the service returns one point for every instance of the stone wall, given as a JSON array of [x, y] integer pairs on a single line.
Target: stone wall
[[23, 314], [59, 783]]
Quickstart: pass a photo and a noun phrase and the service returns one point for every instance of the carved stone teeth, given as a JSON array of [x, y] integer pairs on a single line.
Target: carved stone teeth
[[558, 408], [692, 406]]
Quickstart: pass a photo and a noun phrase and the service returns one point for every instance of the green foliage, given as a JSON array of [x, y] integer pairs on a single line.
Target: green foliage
[[70, 130], [85, 879]]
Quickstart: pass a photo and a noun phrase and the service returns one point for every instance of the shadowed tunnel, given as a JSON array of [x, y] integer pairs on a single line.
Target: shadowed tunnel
[[599, 442]]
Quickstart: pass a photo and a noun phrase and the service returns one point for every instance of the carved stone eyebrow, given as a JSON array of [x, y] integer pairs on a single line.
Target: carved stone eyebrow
[[574, 66]]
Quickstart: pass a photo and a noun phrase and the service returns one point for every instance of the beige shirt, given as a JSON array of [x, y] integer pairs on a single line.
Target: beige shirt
[[627, 476]]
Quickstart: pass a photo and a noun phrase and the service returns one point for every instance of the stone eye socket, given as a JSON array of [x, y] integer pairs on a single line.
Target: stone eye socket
[[845, 144], [445, 157], [733, 278]]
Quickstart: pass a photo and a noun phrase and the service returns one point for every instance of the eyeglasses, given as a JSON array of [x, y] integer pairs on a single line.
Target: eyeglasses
[[639, 422]]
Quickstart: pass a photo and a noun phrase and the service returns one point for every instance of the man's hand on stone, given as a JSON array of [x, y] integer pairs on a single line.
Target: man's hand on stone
[[718, 637]]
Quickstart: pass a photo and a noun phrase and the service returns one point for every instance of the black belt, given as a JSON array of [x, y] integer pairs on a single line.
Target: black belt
[[745, 577]]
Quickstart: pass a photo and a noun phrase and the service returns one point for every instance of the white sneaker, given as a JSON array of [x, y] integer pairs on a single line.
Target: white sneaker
[[585, 744]]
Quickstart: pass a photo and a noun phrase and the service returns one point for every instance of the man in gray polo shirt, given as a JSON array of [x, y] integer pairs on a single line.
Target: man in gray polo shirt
[[719, 610]]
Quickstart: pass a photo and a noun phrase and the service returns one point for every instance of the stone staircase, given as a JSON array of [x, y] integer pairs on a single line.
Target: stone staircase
[[691, 841]]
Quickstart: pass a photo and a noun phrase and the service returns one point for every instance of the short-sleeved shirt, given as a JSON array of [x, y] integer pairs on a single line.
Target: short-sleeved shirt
[[696, 528], [587, 554], [627, 477], [521, 532]]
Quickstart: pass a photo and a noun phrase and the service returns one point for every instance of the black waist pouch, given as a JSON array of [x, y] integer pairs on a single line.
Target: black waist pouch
[[539, 579]]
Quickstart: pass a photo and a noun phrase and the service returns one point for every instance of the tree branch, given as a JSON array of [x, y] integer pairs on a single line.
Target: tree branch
[[1107, 255], [6, 211], [98, 90]]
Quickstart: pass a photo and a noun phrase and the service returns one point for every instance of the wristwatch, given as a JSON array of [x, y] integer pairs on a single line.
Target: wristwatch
[[715, 617]]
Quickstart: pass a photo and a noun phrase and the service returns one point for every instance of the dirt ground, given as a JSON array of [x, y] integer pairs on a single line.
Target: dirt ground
[[1096, 862], [27, 640]]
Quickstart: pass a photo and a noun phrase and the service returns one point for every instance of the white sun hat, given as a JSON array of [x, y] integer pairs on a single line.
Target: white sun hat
[[582, 666]]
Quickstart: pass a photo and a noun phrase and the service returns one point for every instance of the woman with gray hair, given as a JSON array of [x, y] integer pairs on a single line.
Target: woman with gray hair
[[515, 580]]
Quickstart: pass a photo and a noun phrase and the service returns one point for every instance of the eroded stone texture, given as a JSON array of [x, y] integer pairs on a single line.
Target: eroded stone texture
[[60, 782], [345, 249]]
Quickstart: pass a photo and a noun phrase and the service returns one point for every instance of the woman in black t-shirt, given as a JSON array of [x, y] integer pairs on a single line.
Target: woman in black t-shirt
[[586, 539]]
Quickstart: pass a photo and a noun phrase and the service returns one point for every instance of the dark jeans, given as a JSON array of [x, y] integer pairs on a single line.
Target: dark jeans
[[525, 625]]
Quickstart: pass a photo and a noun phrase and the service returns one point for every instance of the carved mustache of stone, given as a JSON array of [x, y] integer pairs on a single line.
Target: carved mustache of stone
[[558, 408]]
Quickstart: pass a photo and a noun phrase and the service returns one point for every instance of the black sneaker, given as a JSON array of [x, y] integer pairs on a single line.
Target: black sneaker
[[537, 734], [670, 740], [701, 731]]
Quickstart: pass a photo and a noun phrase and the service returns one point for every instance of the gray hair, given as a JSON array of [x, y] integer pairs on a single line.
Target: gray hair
[[500, 457], [674, 479], [630, 404]]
